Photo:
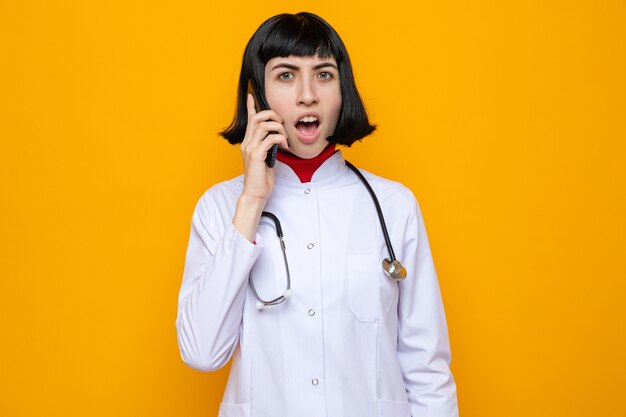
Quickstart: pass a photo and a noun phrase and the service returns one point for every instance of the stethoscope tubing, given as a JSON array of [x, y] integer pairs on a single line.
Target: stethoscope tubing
[[279, 233], [383, 225], [391, 265]]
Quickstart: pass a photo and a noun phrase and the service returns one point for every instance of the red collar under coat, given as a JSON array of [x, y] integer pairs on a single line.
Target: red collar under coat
[[305, 168]]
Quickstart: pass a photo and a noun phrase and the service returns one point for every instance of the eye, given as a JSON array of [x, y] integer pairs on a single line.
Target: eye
[[285, 76], [325, 75]]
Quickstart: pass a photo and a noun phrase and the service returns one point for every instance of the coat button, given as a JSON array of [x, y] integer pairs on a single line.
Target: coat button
[[310, 246], [314, 381], [311, 312], [306, 191]]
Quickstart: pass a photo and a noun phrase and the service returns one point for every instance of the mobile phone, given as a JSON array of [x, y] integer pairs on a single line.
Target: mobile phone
[[260, 104]]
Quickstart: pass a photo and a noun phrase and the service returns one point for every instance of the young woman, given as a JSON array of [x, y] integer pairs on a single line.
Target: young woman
[[314, 324]]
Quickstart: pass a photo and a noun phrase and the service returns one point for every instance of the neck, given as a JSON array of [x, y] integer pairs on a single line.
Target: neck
[[305, 168]]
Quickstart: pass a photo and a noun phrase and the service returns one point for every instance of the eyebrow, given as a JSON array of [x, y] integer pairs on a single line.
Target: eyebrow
[[295, 67]]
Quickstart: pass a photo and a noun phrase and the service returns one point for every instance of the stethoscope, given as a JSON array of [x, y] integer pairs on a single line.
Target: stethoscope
[[393, 268]]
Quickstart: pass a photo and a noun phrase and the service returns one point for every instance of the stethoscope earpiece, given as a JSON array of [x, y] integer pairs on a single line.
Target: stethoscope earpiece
[[394, 269]]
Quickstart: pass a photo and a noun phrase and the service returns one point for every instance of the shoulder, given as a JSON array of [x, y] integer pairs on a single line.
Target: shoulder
[[393, 193], [219, 198], [224, 190]]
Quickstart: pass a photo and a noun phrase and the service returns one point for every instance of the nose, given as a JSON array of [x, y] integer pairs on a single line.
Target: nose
[[307, 94]]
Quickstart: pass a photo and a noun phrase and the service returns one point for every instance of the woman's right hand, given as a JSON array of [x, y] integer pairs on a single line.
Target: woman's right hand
[[258, 177]]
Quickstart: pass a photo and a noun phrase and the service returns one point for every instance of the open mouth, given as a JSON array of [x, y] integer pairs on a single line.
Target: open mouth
[[307, 128]]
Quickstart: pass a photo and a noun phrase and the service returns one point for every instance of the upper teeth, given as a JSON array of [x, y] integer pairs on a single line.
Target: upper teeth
[[308, 119]]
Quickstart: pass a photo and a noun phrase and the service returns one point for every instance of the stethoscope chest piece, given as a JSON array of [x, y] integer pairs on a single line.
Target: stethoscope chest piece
[[394, 269]]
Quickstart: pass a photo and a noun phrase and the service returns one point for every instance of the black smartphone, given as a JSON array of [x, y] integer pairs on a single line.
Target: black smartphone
[[260, 104]]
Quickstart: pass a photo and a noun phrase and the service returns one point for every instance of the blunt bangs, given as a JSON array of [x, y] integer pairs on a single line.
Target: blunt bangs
[[300, 37], [301, 34]]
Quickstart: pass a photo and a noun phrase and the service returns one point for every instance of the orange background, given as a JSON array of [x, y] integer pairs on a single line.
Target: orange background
[[507, 120]]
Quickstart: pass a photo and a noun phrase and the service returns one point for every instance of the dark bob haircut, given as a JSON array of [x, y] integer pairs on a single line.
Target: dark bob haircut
[[302, 34]]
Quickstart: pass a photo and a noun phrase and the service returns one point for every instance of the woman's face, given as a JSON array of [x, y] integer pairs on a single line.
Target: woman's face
[[305, 92]]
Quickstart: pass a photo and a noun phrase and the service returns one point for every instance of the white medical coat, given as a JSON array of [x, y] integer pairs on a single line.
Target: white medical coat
[[350, 342]]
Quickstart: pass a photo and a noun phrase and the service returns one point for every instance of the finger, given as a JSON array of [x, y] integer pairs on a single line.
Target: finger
[[251, 112], [285, 145], [255, 118], [272, 126], [266, 115], [250, 105], [271, 140], [261, 132], [259, 151]]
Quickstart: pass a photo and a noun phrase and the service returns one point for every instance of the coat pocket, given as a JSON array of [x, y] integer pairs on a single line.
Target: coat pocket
[[370, 291], [234, 410], [388, 408]]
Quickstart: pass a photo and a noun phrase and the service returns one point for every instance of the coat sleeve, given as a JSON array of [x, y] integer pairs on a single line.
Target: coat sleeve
[[423, 345], [212, 294]]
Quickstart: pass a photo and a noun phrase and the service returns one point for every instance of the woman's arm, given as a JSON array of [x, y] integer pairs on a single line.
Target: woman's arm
[[219, 259], [423, 345], [210, 303]]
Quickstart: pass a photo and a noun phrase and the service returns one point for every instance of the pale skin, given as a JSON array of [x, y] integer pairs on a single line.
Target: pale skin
[[294, 87]]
